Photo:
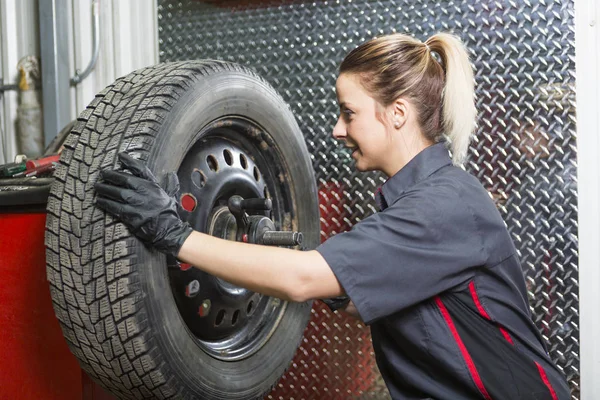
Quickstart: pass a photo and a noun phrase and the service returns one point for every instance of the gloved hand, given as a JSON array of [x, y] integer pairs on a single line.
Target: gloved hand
[[335, 303], [148, 210]]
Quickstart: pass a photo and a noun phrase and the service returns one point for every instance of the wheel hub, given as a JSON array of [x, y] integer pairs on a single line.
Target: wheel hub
[[225, 193]]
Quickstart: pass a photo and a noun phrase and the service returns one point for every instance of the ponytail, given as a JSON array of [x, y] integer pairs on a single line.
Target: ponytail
[[458, 103]]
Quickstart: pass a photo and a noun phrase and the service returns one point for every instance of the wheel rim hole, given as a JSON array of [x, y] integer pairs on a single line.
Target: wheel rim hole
[[192, 289], [198, 178], [256, 174], [250, 308], [243, 161], [212, 162], [235, 317], [220, 317], [266, 193], [228, 157]]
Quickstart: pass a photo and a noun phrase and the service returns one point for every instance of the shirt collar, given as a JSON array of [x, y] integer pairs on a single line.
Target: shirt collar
[[420, 167]]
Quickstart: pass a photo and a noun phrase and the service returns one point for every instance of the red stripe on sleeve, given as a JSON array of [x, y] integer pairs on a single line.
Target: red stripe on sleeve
[[507, 337], [476, 301], [463, 349], [484, 313], [546, 381]]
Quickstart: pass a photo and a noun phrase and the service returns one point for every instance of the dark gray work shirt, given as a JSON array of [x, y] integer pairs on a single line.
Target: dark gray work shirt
[[436, 276]]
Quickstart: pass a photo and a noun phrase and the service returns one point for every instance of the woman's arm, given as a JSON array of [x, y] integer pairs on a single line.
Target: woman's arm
[[284, 273]]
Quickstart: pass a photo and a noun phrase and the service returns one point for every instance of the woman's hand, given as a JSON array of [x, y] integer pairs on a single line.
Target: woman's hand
[[148, 210]]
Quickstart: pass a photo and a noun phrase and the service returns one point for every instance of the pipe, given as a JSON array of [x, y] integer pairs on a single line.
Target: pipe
[[6, 88], [54, 49], [29, 111], [96, 43]]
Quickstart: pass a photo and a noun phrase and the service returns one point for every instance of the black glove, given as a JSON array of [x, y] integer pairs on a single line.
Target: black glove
[[335, 303], [148, 210]]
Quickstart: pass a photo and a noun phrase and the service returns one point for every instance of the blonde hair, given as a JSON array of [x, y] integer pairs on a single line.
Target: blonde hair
[[398, 65]]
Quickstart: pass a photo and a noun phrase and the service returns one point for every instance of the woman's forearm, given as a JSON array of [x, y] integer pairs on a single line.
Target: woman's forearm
[[284, 273]]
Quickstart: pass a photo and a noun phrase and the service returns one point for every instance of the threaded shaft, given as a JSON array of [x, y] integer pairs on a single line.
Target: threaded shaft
[[281, 238]]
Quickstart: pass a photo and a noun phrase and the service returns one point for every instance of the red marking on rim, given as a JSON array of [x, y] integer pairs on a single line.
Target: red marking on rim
[[188, 202], [184, 266], [245, 238]]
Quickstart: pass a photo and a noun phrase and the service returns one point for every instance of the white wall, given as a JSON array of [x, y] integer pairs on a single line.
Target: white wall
[[128, 41], [587, 67]]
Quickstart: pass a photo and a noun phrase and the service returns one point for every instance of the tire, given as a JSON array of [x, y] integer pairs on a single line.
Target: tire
[[55, 146], [119, 305]]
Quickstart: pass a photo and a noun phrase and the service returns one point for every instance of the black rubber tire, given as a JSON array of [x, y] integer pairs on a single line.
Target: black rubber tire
[[56, 144], [110, 293]]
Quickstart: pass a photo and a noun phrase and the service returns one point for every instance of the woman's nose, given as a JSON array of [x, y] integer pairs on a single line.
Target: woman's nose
[[339, 130]]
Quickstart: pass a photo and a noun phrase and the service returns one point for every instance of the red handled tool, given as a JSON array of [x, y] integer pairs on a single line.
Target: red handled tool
[[33, 164]]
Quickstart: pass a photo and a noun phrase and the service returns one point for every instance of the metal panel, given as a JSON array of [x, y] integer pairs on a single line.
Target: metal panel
[[55, 66], [524, 152], [128, 41], [136, 20]]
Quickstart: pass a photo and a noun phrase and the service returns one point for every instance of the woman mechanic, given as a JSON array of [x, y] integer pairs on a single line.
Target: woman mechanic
[[435, 273]]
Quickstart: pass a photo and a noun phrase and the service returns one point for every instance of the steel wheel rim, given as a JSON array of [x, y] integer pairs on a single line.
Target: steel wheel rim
[[229, 158]]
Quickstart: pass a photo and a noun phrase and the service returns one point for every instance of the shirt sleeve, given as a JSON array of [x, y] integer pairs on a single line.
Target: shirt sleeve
[[419, 247]]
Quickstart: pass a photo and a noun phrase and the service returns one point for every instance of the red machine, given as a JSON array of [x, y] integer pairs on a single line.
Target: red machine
[[36, 362]]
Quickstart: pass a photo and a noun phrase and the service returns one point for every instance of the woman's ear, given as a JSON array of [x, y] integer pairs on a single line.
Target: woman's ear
[[400, 113]]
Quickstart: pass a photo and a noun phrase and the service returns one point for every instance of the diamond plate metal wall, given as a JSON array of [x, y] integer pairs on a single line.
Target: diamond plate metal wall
[[524, 152]]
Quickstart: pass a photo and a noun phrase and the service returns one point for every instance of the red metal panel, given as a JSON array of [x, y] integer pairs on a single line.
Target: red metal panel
[[36, 362]]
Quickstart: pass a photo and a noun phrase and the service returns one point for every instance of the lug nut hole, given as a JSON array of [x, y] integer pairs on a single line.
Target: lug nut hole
[[212, 162], [220, 317], [250, 308], [235, 317], [228, 157], [198, 178], [192, 289], [243, 161], [256, 174]]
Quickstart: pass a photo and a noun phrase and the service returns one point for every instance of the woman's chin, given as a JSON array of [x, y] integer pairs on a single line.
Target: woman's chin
[[362, 166]]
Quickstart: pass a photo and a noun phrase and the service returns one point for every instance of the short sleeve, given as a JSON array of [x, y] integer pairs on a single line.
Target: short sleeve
[[419, 247]]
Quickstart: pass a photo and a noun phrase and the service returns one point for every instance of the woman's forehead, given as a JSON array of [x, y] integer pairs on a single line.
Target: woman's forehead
[[347, 79], [349, 85]]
